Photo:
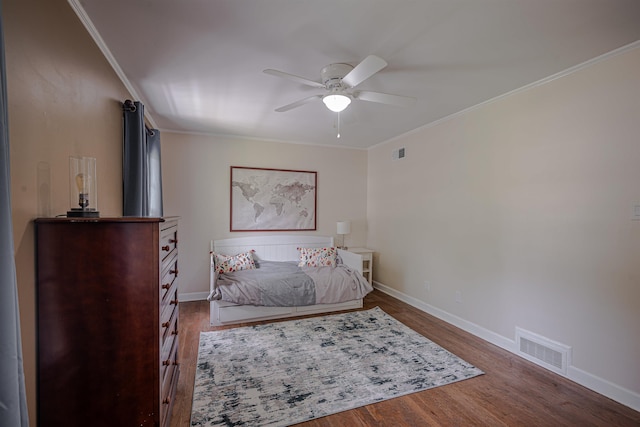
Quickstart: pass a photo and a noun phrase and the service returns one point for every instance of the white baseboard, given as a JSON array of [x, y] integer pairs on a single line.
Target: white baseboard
[[606, 388], [465, 325], [612, 391], [193, 296]]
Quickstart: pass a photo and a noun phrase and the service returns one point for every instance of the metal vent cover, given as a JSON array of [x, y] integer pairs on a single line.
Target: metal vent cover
[[543, 351], [398, 154]]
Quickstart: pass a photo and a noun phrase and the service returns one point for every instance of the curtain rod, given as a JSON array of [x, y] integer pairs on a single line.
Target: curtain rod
[[129, 105]]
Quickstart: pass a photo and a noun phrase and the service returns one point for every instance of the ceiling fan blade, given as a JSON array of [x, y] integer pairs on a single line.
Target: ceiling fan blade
[[294, 78], [298, 103], [385, 98], [365, 69]]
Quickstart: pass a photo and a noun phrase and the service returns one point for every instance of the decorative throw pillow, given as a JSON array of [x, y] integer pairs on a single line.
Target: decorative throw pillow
[[228, 264], [317, 257]]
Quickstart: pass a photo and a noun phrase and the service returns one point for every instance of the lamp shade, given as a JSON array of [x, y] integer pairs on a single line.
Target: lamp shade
[[344, 227], [336, 103]]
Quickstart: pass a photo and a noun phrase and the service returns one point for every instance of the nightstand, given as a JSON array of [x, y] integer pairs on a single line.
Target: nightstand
[[367, 262]]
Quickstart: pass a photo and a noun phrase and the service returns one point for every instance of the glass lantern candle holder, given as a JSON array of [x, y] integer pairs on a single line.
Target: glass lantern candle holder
[[83, 192]]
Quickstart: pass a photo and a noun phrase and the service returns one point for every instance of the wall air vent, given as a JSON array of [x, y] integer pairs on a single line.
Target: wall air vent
[[543, 351], [398, 154]]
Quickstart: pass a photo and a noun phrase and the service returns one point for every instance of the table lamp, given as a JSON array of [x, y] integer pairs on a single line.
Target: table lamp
[[344, 227]]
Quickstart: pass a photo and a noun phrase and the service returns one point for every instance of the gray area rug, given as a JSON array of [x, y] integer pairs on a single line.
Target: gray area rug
[[289, 372]]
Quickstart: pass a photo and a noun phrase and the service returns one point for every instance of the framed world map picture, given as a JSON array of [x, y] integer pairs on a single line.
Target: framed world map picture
[[272, 199]]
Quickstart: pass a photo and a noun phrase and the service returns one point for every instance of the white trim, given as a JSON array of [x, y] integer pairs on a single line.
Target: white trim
[[86, 21], [465, 325], [599, 385], [260, 139], [543, 81], [193, 296], [606, 388], [93, 31]]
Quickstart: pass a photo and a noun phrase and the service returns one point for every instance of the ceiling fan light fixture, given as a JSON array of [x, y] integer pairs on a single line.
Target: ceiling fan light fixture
[[336, 102]]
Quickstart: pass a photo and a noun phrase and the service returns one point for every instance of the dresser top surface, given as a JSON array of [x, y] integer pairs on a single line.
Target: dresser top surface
[[104, 220]]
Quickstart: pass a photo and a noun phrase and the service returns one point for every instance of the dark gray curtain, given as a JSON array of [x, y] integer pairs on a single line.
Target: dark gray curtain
[[141, 170], [13, 399]]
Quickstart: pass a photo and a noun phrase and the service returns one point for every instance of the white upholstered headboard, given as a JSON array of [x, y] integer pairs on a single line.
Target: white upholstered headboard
[[281, 247]]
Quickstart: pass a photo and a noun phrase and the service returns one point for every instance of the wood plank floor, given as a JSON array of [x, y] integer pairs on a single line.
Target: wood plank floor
[[513, 391]]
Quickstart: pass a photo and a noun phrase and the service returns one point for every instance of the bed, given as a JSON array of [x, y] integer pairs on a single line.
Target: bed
[[273, 248]]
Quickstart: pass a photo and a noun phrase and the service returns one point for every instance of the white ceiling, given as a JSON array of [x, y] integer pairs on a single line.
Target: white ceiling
[[197, 64]]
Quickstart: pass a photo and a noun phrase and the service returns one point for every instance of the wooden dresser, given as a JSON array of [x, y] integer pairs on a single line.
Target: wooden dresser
[[107, 319]]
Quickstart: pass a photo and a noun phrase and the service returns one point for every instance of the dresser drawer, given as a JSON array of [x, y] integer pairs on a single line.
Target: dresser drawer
[[168, 240], [169, 304], [169, 353], [168, 282], [168, 390], [168, 314]]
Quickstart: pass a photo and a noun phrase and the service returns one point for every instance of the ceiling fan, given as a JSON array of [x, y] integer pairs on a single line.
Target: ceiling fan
[[339, 81]]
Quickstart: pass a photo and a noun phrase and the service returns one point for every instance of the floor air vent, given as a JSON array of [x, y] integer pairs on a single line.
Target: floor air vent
[[542, 351]]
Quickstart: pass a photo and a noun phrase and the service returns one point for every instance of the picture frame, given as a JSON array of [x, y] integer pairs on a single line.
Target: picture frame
[[263, 199]]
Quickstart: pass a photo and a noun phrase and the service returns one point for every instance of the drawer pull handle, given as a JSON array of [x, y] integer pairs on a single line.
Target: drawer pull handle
[[166, 324], [175, 301], [166, 400], [175, 362], [174, 332], [174, 271], [173, 241], [166, 286], [166, 248], [166, 362]]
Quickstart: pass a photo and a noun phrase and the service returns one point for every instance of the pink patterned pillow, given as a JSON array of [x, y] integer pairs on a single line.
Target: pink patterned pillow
[[228, 264], [317, 257]]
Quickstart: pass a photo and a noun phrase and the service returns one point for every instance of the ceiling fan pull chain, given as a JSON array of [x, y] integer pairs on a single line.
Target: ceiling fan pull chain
[[338, 125]]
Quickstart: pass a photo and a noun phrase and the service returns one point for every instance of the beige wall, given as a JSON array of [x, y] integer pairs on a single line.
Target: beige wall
[[196, 173], [524, 205], [64, 99]]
